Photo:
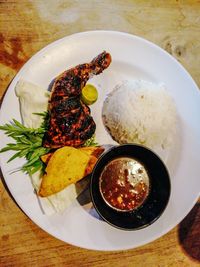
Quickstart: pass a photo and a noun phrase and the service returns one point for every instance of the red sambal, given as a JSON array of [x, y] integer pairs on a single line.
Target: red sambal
[[124, 184]]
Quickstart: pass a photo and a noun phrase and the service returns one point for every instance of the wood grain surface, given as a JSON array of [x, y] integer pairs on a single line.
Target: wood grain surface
[[26, 27]]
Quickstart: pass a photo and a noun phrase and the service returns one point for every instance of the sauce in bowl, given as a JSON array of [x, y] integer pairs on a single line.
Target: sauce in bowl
[[124, 184]]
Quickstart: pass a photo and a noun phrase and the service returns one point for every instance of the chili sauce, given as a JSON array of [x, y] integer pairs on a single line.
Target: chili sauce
[[124, 184]]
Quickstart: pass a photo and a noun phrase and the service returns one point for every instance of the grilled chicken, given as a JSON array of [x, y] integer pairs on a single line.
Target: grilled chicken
[[71, 123]]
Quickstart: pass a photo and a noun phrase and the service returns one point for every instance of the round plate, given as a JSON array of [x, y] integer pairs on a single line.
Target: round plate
[[133, 58]]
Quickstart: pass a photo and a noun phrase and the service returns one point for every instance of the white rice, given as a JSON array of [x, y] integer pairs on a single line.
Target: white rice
[[140, 112]]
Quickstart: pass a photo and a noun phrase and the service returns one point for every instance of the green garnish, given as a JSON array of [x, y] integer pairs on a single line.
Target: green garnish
[[89, 94], [91, 142], [28, 143]]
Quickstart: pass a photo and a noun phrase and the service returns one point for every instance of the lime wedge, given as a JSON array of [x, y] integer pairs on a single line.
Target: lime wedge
[[89, 94]]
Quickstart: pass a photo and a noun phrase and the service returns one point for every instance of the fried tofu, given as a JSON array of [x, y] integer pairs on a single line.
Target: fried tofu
[[66, 166]]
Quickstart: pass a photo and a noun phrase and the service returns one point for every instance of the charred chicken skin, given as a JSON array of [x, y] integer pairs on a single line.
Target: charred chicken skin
[[71, 123]]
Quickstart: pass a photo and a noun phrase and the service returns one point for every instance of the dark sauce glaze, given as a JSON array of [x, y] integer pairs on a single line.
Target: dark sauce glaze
[[124, 184]]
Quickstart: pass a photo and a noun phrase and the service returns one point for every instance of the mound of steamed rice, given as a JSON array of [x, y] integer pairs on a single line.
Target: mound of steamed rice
[[140, 112]]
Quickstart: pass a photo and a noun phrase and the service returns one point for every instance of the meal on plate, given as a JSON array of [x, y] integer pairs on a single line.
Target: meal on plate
[[147, 114], [57, 133]]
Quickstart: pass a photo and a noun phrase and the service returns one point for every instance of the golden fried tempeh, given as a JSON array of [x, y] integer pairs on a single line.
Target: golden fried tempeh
[[66, 166]]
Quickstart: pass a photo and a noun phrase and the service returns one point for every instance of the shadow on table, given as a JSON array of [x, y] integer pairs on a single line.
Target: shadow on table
[[189, 233]]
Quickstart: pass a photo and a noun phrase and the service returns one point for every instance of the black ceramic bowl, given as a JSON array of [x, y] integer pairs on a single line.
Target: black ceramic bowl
[[159, 191]]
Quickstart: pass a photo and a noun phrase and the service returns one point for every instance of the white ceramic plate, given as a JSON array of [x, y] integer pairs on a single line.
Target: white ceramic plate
[[133, 57]]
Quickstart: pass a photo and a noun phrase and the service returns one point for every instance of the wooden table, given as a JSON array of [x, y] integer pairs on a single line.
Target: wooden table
[[26, 27]]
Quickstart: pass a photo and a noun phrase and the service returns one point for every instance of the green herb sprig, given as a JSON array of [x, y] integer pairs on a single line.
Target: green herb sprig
[[91, 142], [28, 143]]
